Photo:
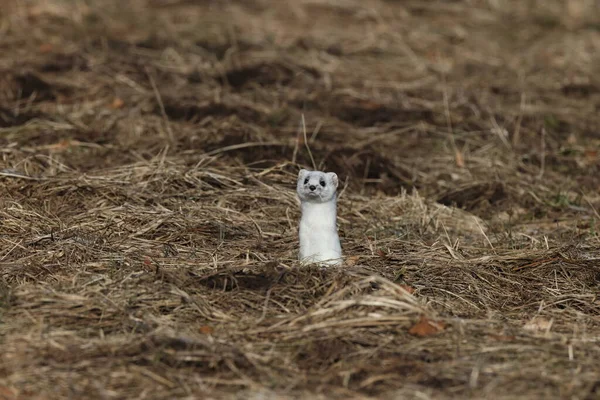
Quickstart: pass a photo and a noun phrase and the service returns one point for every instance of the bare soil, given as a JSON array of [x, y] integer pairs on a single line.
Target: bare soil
[[148, 218]]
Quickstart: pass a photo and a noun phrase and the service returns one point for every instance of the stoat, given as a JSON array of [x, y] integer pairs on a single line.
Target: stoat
[[319, 240]]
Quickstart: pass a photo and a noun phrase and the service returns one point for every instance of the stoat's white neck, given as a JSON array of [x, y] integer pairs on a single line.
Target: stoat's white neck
[[321, 215]]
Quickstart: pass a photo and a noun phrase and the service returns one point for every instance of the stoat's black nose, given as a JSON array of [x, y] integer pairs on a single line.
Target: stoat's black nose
[[312, 188]]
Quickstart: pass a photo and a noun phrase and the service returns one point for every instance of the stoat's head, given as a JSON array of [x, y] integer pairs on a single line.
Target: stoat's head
[[316, 186]]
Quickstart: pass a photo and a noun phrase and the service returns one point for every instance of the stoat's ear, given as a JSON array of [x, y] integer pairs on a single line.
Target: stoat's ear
[[333, 179], [302, 173]]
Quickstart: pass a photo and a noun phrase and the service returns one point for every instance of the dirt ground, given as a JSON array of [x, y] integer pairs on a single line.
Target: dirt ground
[[148, 219]]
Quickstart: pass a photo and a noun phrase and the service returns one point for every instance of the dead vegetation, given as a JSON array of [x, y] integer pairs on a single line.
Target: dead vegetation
[[148, 154]]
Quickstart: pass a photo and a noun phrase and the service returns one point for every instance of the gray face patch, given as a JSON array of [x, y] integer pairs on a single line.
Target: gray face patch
[[316, 186]]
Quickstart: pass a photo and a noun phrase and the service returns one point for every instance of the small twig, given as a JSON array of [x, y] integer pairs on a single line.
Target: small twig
[[161, 105], [592, 206], [306, 143], [242, 146], [543, 154], [457, 153], [484, 235], [517, 134], [14, 174], [316, 131], [344, 188], [296, 147], [265, 306]]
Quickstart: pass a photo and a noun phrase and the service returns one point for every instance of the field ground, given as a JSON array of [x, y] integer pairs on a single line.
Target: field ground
[[148, 157]]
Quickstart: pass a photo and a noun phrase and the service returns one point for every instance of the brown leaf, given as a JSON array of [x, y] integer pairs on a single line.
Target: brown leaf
[[369, 105], [352, 260], [7, 393], [62, 99], [538, 324], [60, 146], [590, 155], [502, 338], [407, 288], [583, 225], [207, 330], [460, 160], [427, 327], [117, 103], [46, 48]]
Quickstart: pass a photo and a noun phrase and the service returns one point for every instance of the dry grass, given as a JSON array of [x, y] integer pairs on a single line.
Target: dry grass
[[148, 215]]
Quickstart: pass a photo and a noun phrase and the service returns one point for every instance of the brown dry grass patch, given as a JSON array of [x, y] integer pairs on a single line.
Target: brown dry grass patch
[[148, 154]]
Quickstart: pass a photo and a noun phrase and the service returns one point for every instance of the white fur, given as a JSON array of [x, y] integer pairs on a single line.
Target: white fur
[[319, 240]]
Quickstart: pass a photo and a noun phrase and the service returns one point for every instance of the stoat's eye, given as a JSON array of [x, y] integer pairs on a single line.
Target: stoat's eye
[[322, 183], [306, 181]]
